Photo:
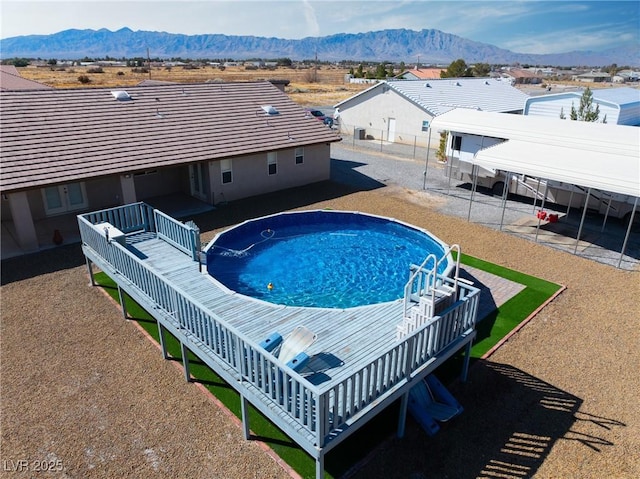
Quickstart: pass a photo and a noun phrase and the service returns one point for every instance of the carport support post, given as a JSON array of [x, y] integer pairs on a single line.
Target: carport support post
[[606, 214], [474, 174], [584, 214], [626, 236], [505, 193], [569, 205], [426, 163], [546, 185]]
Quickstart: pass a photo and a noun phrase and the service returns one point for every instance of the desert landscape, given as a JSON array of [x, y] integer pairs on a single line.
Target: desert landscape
[[308, 86]]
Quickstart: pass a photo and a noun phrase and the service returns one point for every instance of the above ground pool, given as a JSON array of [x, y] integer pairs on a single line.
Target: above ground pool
[[329, 259]]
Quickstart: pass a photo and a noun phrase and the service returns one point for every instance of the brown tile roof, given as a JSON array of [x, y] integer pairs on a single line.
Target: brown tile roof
[[516, 73], [57, 136], [10, 79]]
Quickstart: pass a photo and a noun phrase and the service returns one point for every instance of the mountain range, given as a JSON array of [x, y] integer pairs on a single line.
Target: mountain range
[[426, 46]]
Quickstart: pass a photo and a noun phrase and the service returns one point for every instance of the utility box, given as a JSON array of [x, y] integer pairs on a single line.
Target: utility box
[[359, 133]]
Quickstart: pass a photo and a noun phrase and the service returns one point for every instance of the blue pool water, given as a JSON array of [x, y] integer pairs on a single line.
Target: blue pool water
[[320, 258]]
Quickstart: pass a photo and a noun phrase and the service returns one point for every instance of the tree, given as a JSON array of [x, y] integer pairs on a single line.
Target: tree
[[586, 111], [381, 71], [441, 154], [481, 69], [457, 69]]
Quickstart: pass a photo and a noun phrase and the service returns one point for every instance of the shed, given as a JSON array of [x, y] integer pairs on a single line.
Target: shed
[[620, 105]]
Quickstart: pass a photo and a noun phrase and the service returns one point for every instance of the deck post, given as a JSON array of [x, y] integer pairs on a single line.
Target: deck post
[[163, 344], [320, 465], [465, 364], [122, 303], [244, 407], [185, 361], [92, 282], [402, 415]]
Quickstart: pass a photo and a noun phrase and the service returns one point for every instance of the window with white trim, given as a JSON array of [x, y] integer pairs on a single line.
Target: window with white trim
[[272, 162], [225, 171], [299, 155]]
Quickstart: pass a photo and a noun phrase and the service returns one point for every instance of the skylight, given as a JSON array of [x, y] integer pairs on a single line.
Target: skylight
[[270, 110], [121, 95]]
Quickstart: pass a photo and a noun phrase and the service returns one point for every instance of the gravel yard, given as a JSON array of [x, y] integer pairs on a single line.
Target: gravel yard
[[86, 392]]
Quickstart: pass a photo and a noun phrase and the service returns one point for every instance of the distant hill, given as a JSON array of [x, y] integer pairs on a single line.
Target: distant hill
[[429, 46]]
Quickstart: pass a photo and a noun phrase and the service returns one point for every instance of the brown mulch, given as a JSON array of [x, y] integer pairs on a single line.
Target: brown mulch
[[82, 386]]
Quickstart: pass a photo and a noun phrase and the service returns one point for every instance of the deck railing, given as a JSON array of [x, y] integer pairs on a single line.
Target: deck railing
[[127, 218], [316, 410], [184, 237], [143, 217], [400, 362]]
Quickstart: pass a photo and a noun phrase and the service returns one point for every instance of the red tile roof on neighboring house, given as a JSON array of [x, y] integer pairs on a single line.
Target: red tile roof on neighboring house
[[56, 136], [10, 79], [421, 74]]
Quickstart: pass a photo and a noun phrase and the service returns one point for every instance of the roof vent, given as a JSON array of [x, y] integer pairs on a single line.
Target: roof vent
[[486, 82], [121, 95], [270, 110], [457, 83], [426, 85]]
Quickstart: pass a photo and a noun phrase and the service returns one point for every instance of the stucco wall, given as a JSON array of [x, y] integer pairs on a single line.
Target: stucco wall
[[372, 110], [251, 173]]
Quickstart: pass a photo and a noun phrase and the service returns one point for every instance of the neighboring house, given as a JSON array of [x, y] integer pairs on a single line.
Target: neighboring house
[[620, 105], [10, 79], [401, 110], [421, 74], [73, 150], [593, 77], [522, 77]]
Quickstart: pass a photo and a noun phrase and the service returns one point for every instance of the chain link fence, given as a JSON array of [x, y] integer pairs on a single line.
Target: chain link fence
[[406, 145]]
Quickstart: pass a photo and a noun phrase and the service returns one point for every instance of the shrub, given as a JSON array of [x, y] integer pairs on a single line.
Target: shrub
[[120, 74], [95, 70], [84, 79]]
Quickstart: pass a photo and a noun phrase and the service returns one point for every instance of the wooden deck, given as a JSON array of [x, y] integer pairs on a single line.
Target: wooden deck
[[358, 365]]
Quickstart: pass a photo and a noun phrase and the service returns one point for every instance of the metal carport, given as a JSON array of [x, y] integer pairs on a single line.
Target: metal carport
[[592, 155]]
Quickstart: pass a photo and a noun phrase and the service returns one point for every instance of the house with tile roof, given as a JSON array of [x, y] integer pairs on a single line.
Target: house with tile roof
[[519, 76], [401, 110], [10, 79], [67, 151], [421, 74]]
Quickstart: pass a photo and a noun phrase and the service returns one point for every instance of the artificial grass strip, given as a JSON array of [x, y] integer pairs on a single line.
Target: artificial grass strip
[[509, 315], [490, 331]]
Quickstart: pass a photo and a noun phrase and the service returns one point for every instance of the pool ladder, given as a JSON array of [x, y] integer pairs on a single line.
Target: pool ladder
[[432, 293]]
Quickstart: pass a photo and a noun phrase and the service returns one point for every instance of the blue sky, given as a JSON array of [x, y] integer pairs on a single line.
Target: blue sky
[[519, 26]]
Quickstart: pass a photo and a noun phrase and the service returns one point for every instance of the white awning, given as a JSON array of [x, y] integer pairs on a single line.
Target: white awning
[[596, 155]]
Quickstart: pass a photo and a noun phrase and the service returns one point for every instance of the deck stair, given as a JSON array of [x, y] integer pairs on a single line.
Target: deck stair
[[428, 294], [431, 403]]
